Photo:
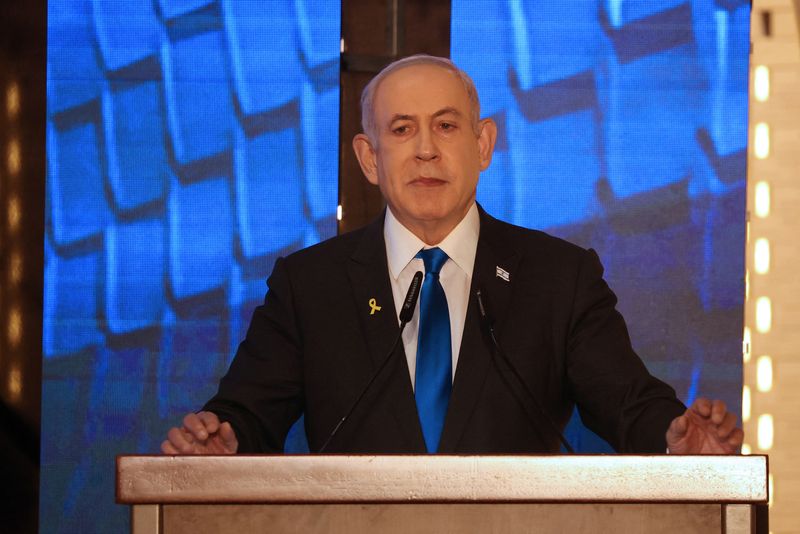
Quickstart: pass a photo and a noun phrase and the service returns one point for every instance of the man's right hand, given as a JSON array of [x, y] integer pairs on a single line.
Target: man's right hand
[[201, 433]]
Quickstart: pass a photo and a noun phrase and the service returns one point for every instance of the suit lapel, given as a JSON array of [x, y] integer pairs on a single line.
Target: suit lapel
[[369, 279], [475, 355]]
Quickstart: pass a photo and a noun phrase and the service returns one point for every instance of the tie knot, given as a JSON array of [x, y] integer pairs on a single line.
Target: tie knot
[[434, 259]]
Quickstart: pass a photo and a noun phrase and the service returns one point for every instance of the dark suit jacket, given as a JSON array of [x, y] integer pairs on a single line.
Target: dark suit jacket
[[313, 345]]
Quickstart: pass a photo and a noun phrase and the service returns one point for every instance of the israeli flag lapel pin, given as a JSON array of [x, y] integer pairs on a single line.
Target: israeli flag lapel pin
[[502, 273]]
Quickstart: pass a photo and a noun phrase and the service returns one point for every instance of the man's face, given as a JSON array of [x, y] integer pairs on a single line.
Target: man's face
[[426, 156]]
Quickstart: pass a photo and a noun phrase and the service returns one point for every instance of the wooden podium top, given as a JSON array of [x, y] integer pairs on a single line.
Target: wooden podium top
[[434, 478]]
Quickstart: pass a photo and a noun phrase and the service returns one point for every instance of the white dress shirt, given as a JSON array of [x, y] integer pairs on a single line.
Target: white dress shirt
[[460, 245]]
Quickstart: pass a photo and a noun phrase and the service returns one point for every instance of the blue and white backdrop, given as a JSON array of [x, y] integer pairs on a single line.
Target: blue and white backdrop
[[192, 142]]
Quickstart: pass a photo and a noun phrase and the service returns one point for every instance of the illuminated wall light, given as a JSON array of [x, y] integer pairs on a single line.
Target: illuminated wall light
[[761, 83], [14, 327], [762, 199], [14, 158], [339, 212], [746, 344], [771, 489], [762, 140], [746, 449], [15, 268], [766, 433], [14, 384], [763, 315], [762, 255], [746, 404], [14, 213], [746, 285], [764, 373], [12, 100]]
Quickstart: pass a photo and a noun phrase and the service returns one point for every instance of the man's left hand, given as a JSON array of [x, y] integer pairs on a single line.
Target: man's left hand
[[707, 427]]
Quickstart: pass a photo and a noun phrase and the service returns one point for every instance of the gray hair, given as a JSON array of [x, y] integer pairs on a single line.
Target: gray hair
[[368, 95]]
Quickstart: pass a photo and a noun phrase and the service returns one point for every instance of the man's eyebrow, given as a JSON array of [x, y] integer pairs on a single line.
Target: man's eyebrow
[[439, 113], [402, 117], [447, 110]]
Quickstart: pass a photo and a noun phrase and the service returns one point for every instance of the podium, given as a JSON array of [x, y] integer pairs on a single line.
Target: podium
[[444, 494]]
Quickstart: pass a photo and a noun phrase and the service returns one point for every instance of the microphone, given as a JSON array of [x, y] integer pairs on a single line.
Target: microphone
[[406, 314], [488, 324], [410, 303]]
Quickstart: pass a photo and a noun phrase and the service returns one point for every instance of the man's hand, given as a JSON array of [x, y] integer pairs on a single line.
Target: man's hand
[[201, 433], [707, 427]]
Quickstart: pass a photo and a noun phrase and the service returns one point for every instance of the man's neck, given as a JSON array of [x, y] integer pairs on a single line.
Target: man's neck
[[460, 244], [432, 232]]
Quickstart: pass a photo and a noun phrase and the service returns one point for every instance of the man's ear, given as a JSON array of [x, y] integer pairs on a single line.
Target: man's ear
[[486, 140], [365, 153]]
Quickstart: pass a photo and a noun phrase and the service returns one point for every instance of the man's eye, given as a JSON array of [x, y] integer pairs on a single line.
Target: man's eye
[[400, 129], [447, 126]]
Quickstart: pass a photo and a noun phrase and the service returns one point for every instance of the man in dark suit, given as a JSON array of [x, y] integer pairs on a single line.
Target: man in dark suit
[[330, 317]]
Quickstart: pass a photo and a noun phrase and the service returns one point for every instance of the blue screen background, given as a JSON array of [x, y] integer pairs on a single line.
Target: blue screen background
[[623, 127], [192, 142]]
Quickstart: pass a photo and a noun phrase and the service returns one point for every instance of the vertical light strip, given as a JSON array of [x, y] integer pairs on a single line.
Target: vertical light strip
[[14, 384], [746, 345], [12, 100], [761, 83], [15, 268], [13, 157], [746, 285], [746, 404], [763, 315], [762, 140], [761, 255], [14, 213], [766, 432], [762, 199], [764, 374], [14, 328], [771, 489]]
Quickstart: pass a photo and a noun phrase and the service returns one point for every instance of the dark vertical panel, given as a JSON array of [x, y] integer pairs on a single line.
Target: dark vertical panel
[[22, 170], [375, 34]]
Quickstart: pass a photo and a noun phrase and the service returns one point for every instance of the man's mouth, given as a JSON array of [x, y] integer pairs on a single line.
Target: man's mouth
[[426, 181]]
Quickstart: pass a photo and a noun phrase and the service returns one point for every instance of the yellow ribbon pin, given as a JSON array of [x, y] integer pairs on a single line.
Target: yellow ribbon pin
[[373, 306]]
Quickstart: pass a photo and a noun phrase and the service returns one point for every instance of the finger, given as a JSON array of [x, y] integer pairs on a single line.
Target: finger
[[228, 437], [702, 406], [718, 411], [177, 437], [677, 429], [210, 421], [195, 425], [736, 438], [168, 448], [727, 425]]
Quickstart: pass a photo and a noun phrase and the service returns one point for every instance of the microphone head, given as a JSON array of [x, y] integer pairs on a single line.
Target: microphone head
[[410, 302], [483, 311]]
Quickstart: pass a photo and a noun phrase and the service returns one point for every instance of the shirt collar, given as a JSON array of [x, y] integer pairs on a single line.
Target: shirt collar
[[461, 244]]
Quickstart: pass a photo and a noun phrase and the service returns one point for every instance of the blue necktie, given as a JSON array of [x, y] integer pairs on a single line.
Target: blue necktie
[[434, 352]]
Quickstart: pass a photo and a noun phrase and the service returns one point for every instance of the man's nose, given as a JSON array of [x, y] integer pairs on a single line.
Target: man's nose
[[427, 149]]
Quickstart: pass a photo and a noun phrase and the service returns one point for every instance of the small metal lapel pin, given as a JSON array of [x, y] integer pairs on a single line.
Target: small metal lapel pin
[[373, 304], [502, 273]]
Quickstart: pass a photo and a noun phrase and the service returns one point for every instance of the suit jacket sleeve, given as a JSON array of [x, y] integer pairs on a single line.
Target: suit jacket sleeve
[[262, 393], [615, 394]]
